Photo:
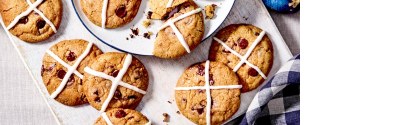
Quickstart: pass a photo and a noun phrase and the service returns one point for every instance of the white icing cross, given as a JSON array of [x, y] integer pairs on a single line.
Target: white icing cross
[[208, 88], [178, 34], [108, 121], [104, 14], [32, 7], [169, 4], [115, 81], [71, 69], [243, 59]]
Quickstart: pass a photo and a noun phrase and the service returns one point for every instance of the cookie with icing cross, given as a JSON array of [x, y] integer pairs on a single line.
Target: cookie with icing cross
[[115, 80], [120, 116], [208, 93], [181, 33], [247, 50], [110, 13], [62, 70], [30, 20]]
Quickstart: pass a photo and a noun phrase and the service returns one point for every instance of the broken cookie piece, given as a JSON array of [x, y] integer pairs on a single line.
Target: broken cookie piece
[[146, 23], [210, 9]]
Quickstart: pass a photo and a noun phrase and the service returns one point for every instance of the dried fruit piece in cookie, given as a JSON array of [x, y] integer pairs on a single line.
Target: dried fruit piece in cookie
[[181, 33], [119, 116], [55, 69], [249, 42], [32, 25], [117, 12], [208, 92], [115, 80]]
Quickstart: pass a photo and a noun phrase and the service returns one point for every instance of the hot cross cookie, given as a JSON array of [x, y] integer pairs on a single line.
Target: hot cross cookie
[[62, 70], [115, 80], [181, 33], [30, 20], [110, 13], [208, 93], [247, 50], [119, 116]]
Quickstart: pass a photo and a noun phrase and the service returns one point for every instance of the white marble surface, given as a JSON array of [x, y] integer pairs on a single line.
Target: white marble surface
[[20, 102]]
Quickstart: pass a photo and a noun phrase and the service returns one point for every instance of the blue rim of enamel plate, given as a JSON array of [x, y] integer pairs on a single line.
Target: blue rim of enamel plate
[[80, 19]]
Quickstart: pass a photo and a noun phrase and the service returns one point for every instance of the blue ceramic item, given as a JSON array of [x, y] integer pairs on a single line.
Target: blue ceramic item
[[283, 6]]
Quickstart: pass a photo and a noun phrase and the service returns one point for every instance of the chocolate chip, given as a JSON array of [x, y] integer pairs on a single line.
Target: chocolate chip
[[184, 100], [71, 56], [146, 35], [61, 73], [252, 72], [149, 14], [115, 73], [200, 70], [121, 11], [200, 111], [97, 99], [171, 14], [23, 20], [257, 33], [96, 92], [117, 95], [135, 31], [211, 79], [132, 97], [120, 114], [166, 117], [40, 24], [243, 43]]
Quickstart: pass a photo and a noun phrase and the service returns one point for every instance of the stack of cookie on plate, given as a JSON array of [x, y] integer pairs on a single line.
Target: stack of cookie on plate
[[241, 57], [77, 72]]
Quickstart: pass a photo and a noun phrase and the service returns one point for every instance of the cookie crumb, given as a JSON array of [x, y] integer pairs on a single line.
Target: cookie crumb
[[210, 9], [169, 102], [147, 35], [146, 23], [135, 31], [166, 117], [131, 35], [149, 14], [127, 38], [177, 112]]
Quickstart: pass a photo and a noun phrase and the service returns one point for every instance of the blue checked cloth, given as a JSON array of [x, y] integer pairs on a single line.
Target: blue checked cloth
[[278, 101]]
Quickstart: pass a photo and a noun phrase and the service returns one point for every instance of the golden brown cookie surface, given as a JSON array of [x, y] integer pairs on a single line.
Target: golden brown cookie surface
[[167, 44], [98, 88], [32, 28], [53, 72], [192, 103], [240, 37], [119, 116], [119, 12]]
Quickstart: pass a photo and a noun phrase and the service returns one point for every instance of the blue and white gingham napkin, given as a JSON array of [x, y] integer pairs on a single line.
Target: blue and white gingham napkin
[[278, 101]]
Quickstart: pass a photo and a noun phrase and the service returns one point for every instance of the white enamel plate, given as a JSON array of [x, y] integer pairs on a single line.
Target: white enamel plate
[[117, 38]]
